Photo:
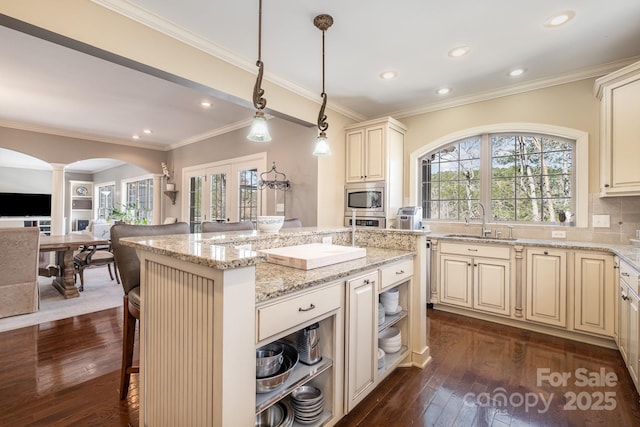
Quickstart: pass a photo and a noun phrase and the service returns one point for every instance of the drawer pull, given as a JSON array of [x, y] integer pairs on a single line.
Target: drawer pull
[[624, 274], [311, 307], [472, 250], [400, 272]]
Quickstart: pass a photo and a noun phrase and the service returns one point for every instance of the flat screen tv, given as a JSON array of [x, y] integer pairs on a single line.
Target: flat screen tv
[[24, 204]]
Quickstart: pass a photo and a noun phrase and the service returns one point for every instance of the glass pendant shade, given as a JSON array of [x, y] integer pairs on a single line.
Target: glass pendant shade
[[322, 146], [259, 130]]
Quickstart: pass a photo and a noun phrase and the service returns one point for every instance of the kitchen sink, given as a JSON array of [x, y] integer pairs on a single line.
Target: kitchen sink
[[475, 236]]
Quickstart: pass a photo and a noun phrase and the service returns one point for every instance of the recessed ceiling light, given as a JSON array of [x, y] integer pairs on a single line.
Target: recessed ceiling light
[[443, 90], [559, 19], [205, 104], [459, 51], [136, 137], [516, 72], [147, 131], [388, 75]]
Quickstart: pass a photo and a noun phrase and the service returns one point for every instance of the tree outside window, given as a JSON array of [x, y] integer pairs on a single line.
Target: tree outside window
[[528, 177]]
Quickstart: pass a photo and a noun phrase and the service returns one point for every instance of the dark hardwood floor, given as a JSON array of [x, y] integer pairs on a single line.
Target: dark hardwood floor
[[66, 373]]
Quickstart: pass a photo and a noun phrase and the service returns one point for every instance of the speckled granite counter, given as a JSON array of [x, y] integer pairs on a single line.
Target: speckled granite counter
[[239, 249], [628, 253]]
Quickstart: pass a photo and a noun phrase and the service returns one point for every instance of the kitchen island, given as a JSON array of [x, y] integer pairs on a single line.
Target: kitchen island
[[209, 300]]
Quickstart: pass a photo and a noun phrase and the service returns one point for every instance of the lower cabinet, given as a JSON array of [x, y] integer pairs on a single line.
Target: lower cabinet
[[546, 287], [629, 320], [361, 340], [594, 293], [286, 320], [480, 280]]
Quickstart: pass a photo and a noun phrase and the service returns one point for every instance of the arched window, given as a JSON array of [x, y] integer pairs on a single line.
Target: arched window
[[517, 176]]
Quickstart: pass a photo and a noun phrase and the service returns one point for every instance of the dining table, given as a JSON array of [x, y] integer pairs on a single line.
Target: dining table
[[63, 270]]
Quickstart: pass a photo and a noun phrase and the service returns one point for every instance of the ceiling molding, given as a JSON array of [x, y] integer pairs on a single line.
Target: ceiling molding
[[216, 132], [172, 30], [591, 72], [78, 135]]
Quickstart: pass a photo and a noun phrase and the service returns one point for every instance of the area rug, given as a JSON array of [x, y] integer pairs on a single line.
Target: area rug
[[100, 293]]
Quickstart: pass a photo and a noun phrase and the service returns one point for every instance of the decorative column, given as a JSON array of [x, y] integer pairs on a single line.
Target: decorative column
[[519, 249], [158, 202], [57, 200]]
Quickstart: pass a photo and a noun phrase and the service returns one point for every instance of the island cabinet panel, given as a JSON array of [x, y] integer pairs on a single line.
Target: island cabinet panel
[[594, 293], [547, 287], [362, 346]]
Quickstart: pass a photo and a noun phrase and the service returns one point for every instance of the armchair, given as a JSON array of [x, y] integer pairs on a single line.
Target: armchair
[[19, 252]]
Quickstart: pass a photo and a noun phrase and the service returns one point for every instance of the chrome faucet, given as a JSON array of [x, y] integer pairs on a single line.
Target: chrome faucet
[[485, 231]]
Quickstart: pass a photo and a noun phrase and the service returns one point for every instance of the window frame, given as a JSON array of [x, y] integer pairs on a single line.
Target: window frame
[[581, 160]]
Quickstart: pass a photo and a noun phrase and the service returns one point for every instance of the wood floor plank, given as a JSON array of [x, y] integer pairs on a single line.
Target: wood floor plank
[[66, 373]]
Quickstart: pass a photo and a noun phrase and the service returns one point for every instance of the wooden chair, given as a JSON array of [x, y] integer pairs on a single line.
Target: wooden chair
[[94, 256], [292, 223], [210, 226], [129, 268]]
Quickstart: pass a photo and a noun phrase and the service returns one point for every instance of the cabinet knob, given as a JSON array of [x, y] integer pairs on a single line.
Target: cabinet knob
[[606, 185], [546, 253]]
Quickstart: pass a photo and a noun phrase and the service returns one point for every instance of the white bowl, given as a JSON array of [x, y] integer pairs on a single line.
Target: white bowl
[[390, 335], [270, 224]]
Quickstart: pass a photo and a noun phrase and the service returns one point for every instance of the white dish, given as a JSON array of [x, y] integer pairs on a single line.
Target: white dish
[[398, 310]]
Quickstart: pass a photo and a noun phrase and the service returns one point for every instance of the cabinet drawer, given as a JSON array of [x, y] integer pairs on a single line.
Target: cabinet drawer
[[630, 276], [286, 314], [396, 273], [501, 252]]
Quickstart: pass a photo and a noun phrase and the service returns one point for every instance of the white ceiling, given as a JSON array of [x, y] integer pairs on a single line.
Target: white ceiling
[[47, 86]]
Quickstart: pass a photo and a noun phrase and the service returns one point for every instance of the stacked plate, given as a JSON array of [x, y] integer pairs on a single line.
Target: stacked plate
[[390, 340], [308, 404]]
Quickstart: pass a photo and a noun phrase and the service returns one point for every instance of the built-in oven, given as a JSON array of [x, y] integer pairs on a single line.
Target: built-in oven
[[366, 198], [375, 222]]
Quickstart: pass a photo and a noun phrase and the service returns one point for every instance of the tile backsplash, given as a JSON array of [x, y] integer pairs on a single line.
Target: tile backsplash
[[624, 214]]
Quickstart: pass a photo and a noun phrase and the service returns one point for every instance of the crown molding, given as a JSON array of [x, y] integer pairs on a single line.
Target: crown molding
[[215, 132], [77, 135], [591, 72]]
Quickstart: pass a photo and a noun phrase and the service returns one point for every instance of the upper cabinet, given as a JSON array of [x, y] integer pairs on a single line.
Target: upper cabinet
[[619, 94], [375, 151]]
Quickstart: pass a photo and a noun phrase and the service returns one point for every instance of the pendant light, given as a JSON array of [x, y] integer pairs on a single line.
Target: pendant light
[[259, 130], [322, 22]]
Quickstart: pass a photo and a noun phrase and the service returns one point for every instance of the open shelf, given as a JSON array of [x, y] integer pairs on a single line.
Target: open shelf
[[392, 319], [301, 374], [392, 360]]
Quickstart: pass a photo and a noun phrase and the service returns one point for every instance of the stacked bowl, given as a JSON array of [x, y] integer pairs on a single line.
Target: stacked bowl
[[268, 359], [389, 301], [277, 415], [272, 370], [390, 340], [308, 404]]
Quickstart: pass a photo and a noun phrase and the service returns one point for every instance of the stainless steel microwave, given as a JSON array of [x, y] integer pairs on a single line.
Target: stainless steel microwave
[[366, 198]]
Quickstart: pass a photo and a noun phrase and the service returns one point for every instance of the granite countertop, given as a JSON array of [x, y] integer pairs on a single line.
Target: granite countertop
[[628, 253], [274, 280], [231, 250]]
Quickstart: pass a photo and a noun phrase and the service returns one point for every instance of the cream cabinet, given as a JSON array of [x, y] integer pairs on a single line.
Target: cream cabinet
[[629, 320], [286, 318], [594, 293], [362, 347], [619, 94], [375, 151], [546, 287], [476, 276]]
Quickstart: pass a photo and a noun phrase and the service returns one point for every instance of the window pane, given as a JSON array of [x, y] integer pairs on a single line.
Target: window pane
[[248, 195], [218, 206], [195, 204]]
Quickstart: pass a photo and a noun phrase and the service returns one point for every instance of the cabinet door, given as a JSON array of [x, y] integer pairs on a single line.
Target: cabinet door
[[633, 342], [355, 156], [362, 348], [594, 293], [625, 128], [456, 280], [491, 280], [623, 322], [374, 154], [547, 287]]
